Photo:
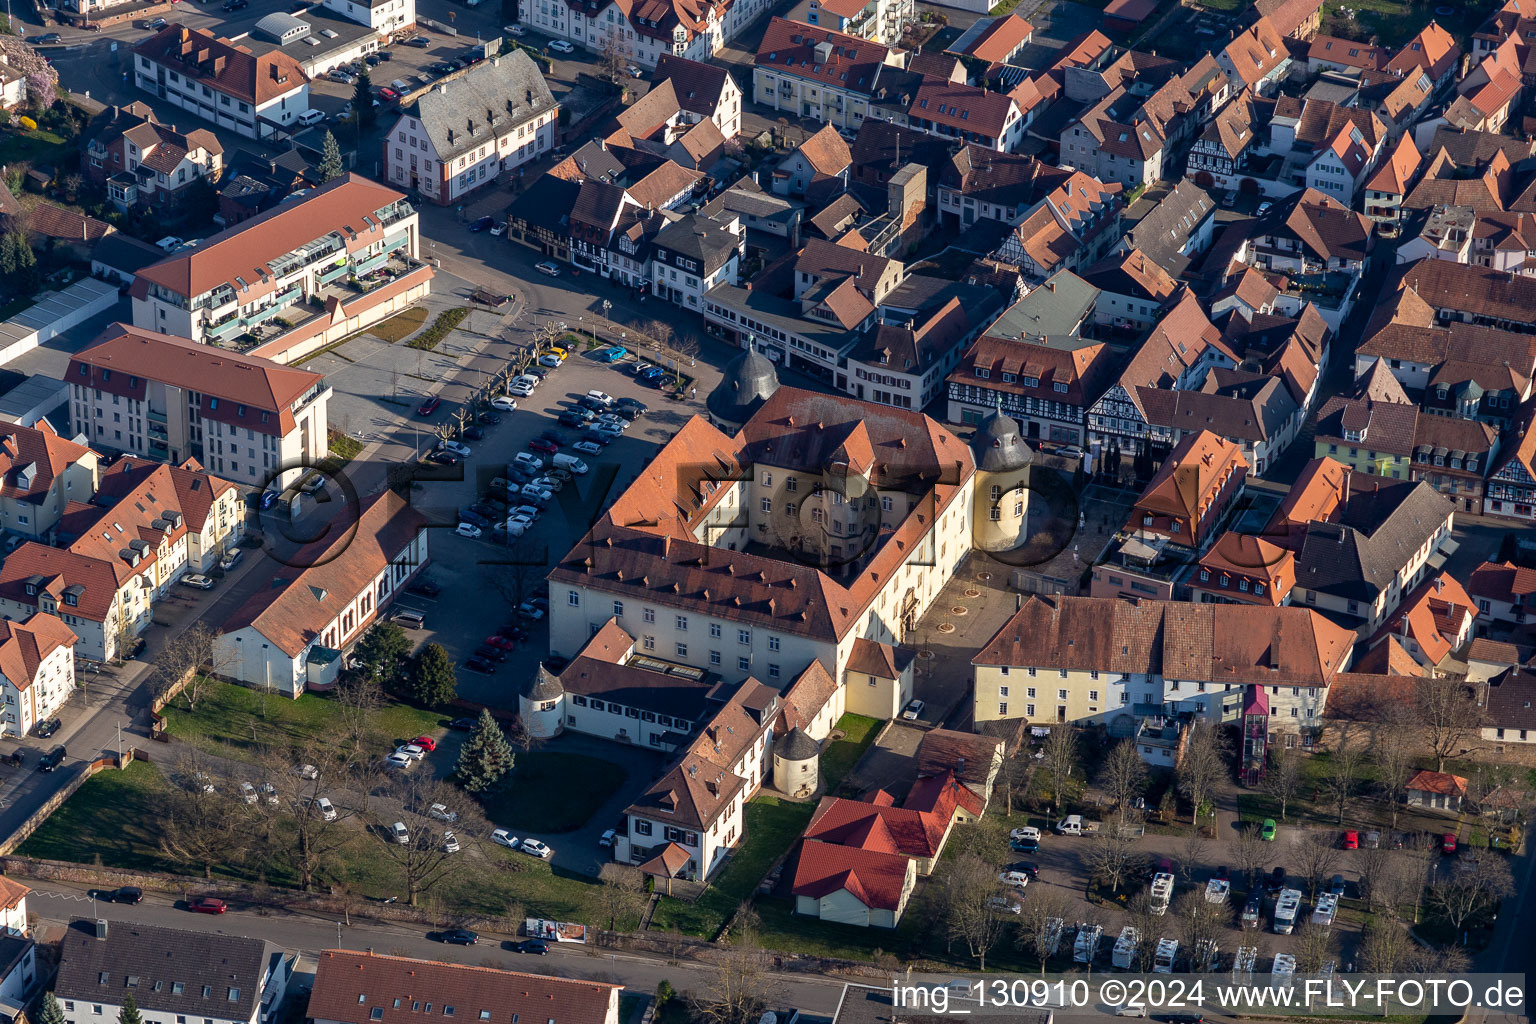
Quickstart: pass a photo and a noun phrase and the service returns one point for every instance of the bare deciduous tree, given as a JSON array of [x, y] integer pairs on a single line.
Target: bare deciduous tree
[[1114, 858], [1374, 864], [359, 698], [1013, 777], [1342, 779], [1192, 850], [1317, 855], [623, 894], [1202, 767], [1394, 750], [1473, 887], [1043, 922], [202, 823], [1385, 947], [286, 794], [1199, 921], [1123, 775], [423, 859], [1448, 714], [1251, 853], [1313, 947], [967, 891], [1061, 761], [1140, 917], [1282, 776], [738, 990]]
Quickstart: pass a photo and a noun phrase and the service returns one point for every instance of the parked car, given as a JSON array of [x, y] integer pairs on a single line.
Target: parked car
[[325, 809], [388, 94], [397, 763], [1276, 879], [480, 665], [561, 46], [550, 360], [247, 793], [481, 223], [51, 760], [399, 833], [126, 894], [528, 610], [429, 407], [543, 444], [547, 267], [572, 418], [504, 403], [444, 458], [1336, 885], [456, 937], [155, 24], [1351, 839], [538, 947], [206, 905], [913, 711], [426, 743], [1013, 879], [306, 771], [450, 843], [1267, 830], [1448, 844], [45, 728], [198, 581], [456, 447], [425, 588], [417, 42], [534, 848], [468, 530], [501, 837], [411, 751], [463, 724], [47, 39]]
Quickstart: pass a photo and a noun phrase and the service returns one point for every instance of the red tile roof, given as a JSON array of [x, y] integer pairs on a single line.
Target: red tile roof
[[351, 987], [875, 878], [122, 358], [224, 66], [878, 827], [350, 205], [301, 602], [1437, 782], [24, 645], [1004, 36], [852, 63], [1347, 52], [1434, 49], [31, 458]]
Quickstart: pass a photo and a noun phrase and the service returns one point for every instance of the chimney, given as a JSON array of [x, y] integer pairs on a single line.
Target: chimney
[[101, 929]]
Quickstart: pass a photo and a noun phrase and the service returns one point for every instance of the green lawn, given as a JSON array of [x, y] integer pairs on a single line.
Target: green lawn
[[41, 147], [772, 826], [231, 720], [110, 821], [841, 755], [399, 326], [552, 791]]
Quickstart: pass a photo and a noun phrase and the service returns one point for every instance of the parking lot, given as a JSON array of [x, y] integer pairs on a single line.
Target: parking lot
[[461, 617]]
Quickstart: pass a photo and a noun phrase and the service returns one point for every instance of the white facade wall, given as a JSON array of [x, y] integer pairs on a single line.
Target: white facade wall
[[231, 112], [411, 160], [596, 30], [25, 705]]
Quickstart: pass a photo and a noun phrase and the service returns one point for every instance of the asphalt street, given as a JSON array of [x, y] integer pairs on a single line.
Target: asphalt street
[[56, 904]]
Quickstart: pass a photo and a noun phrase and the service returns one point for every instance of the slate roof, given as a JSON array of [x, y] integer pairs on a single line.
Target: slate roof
[[1171, 224], [1381, 526], [487, 102], [191, 973], [698, 86]]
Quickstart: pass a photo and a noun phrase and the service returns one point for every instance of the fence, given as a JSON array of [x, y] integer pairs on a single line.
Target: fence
[[33, 823]]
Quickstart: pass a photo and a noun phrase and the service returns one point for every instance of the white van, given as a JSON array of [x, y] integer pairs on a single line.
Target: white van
[[571, 463], [310, 117], [410, 620], [528, 460]]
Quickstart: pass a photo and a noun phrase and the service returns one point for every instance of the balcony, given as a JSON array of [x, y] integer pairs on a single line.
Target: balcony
[[339, 270], [395, 212], [370, 264], [156, 417]]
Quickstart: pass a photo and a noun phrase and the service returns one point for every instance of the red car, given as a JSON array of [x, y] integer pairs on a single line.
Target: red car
[[426, 743], [500, 643], [429, 407], [1448, 843], [387, 94], [1351, 840], [543, 444], [206, 905]]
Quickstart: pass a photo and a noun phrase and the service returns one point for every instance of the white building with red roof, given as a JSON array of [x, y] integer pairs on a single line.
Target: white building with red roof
[[878, 20], [254, 421], [289, 281], [288, 636], [222, 81], [37, 671], [41, 472], [819, 73], [644, 30]]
